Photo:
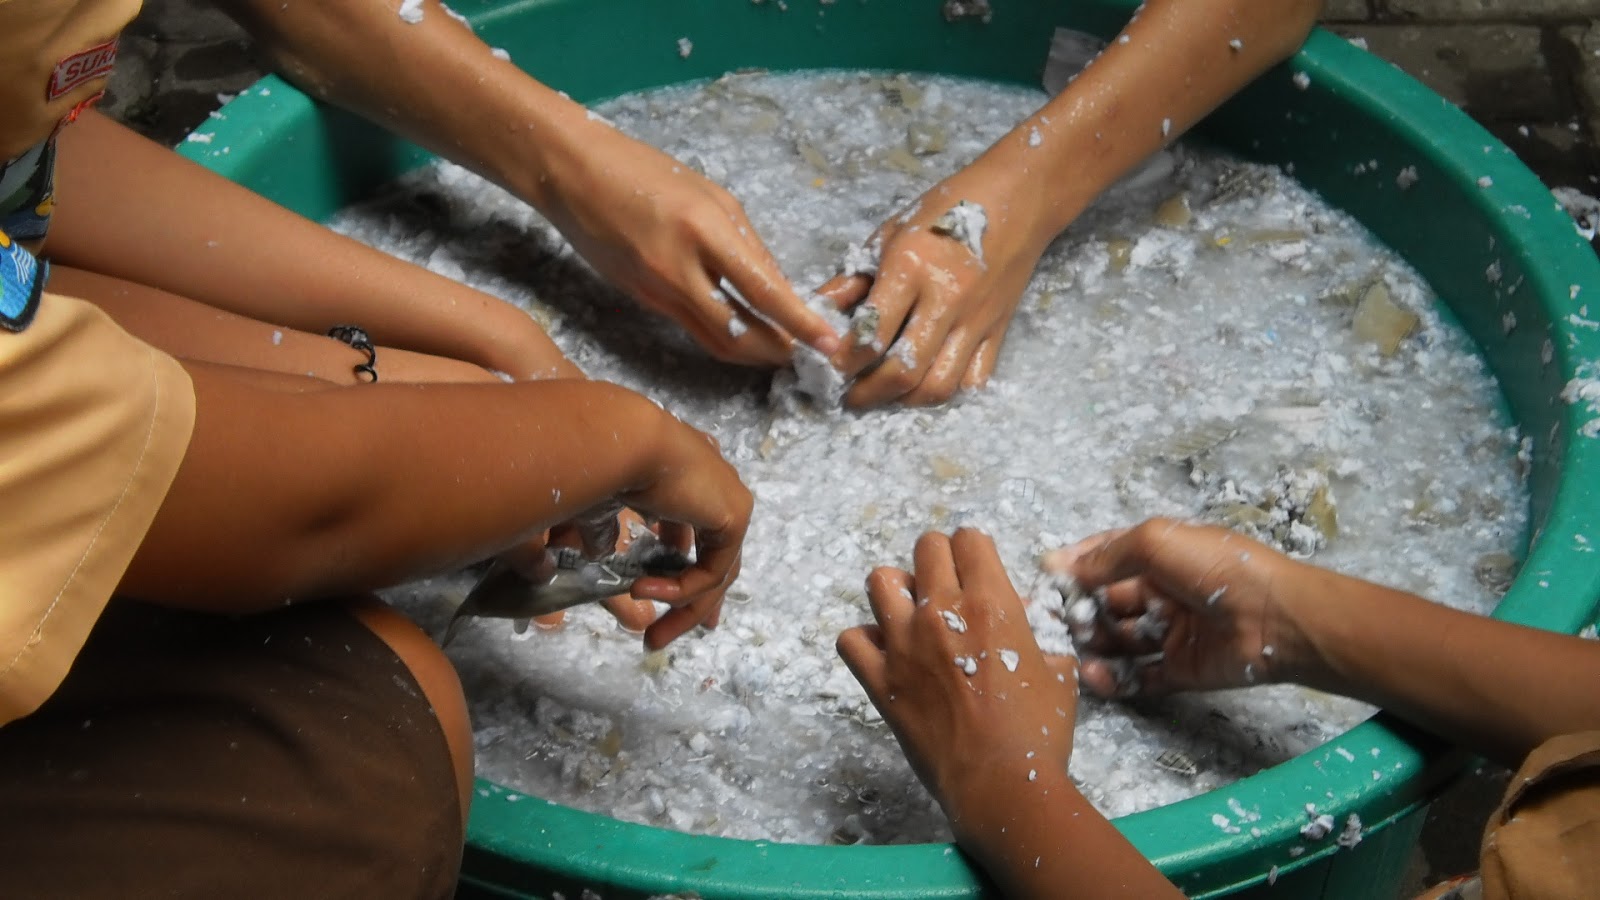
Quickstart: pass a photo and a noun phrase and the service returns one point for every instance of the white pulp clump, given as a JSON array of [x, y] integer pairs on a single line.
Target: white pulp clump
[[964, 222]]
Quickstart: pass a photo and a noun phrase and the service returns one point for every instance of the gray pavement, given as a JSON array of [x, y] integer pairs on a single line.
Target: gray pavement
[[176, 63], [1527, 70]]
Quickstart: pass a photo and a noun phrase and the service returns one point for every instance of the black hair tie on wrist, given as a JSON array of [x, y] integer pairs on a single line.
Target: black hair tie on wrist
[[357, 338]]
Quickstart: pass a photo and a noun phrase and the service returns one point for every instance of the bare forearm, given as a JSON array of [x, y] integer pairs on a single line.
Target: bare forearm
[[232, 249], [1042, 840], [432, 81], [286, 496], [1497, 688], [1174, 63]]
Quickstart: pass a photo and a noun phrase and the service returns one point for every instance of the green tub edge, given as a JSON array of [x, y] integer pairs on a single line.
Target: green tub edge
[[1348, 133]]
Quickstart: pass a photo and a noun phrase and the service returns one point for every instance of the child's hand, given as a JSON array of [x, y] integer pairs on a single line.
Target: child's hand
[[953, 305], [668, 236], [954, 668], [1188, 608], [700, 502]]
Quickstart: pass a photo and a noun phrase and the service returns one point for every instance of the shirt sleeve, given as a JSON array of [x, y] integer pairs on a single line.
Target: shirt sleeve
[[93, 427]]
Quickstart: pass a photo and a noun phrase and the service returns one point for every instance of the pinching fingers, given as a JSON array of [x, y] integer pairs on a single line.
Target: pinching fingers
[[633, 615], [730, 328], [876, 322], [845, 291], [767, 292], [1114, 555], [906, 364], [679, 620], [946, 374], [1064, 561], [1128, 597], [1098, 676], [1135, 620], [1111, 677], [981, 364]]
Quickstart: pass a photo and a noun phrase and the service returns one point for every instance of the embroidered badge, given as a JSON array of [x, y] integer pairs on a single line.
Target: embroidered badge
[[81, 67], [21, 284]]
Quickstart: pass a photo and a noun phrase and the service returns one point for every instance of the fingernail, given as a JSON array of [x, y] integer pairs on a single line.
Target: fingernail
[[828, 344]]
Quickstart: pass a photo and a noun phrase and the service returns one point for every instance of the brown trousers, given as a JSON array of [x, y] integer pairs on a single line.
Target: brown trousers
[[285, 755]]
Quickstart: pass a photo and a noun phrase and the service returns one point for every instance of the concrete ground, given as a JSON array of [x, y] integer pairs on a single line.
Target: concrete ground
[[1527, 70]]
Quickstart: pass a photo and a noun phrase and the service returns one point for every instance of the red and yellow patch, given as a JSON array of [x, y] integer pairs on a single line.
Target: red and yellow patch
[[80, 68]]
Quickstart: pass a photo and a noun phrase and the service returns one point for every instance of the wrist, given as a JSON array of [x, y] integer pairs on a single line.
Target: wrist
[[1020, 219], [554, 142], [619, 431], [1089, 136], [1318, 624], [652, 434], [509, 132], [985, 787], [991, 800]]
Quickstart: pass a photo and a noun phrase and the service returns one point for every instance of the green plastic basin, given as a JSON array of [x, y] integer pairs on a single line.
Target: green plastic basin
[[1348, 135]]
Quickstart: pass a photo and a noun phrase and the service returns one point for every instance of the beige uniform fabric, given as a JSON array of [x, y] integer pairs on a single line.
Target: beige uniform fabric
[[1544, 840], [93, 422], [37, 37], [93, 426], [1543, 843]]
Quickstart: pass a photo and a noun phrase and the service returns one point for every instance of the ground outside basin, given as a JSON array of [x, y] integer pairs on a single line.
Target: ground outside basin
[[1424, 178]]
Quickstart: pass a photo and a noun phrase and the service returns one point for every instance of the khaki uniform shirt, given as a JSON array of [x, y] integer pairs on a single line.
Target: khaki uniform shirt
[[55, 60], [93, 422], [93, 426]]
